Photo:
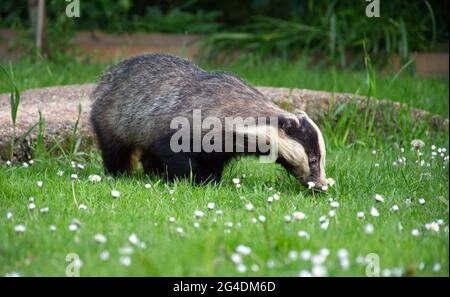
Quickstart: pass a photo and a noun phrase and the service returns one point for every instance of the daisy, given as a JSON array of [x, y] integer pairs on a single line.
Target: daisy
[[31, 206], [421, 201], [243, 250], [82, 207], [104, 255], [74, 176], [369, 229], [331, 213], [52, 228], [305, 255], [147, 186], [236, 181], [360, 214], [374, 212], [125, 260], [298, 215], [60, 173], [199, 214], [241, 268], [94, 178], [304, 234], [330, 182], [133, 239], [415, 232], [100, 238], [44, 210], [334, 204], [179, 230], [236, 258], [249, 207], [39, 183], [293, 255], [311, 185], [287, 218], [9, 215], [211, 205], [262, 218], [171, 219], [19, 228], [115, 194], [379, 198], [395, 207]]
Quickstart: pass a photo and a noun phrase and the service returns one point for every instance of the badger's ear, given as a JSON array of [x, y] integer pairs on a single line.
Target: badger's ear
[[286, 124]]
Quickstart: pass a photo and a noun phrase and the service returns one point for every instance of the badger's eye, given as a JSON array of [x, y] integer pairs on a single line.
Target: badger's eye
[[313, 160]]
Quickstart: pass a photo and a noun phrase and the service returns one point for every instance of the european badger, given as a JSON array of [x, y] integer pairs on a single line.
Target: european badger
[[136, 100]]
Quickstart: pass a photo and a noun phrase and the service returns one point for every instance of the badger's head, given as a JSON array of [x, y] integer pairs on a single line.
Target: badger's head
[[301, 150]]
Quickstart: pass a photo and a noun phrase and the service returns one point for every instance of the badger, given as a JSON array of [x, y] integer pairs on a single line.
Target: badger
[[136, 101]]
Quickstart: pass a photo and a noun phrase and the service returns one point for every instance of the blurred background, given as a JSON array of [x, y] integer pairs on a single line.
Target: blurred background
[[325, 33]]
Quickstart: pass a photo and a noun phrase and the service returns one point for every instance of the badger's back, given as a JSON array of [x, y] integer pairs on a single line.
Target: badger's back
[[136, 99]]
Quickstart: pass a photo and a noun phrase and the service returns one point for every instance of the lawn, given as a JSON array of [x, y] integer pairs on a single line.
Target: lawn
[[156, 229]]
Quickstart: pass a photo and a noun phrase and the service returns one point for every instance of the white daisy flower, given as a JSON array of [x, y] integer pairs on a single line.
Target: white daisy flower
[[342, 253], [44, 210], [179, 230], [369, 229], [133, 239], [115, 194], [125, 260], [379, 198], [374, 212], [287, 218], [171, 219], [52, 228], [324, 225], [196, 225], [95, 178], [25, 165], [211, 205], [39, 183], [360, 214], [82, 206], [31, 206], [331, 213], [249, 207], [334, 204], [74, 176], [8, 163], [421, 201], [9, 215], [243, 250], [319, 271], [305, 255], [374, 152], [241, 268], [304, 234], [436, 267], [236, 258], [311, 185], [104, 255], [236, 181], [276, 196], [415, 232], [262, 218], [199, 214], [298, 215], [219, 212], [80, 166], [330, 182], [100, 238], [60, 172], [293, 255], [395, 207], [19, 228]]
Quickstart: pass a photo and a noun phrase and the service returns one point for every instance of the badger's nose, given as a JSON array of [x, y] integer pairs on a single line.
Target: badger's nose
[[321, 185]]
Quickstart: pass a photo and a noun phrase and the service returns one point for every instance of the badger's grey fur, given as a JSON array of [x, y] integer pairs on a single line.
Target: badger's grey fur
[[136, 100]]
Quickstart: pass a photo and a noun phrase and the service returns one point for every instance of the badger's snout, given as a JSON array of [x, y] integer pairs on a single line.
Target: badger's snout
[[318, 184]]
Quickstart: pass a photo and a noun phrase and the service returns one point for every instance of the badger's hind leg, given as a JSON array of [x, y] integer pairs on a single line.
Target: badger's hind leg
[[116, 156], [151, 163]]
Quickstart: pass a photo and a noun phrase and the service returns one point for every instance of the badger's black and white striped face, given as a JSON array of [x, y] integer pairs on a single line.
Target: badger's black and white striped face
[[302, 150]]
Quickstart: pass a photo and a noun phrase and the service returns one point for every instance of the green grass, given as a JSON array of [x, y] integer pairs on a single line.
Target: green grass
[[207, 250]]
